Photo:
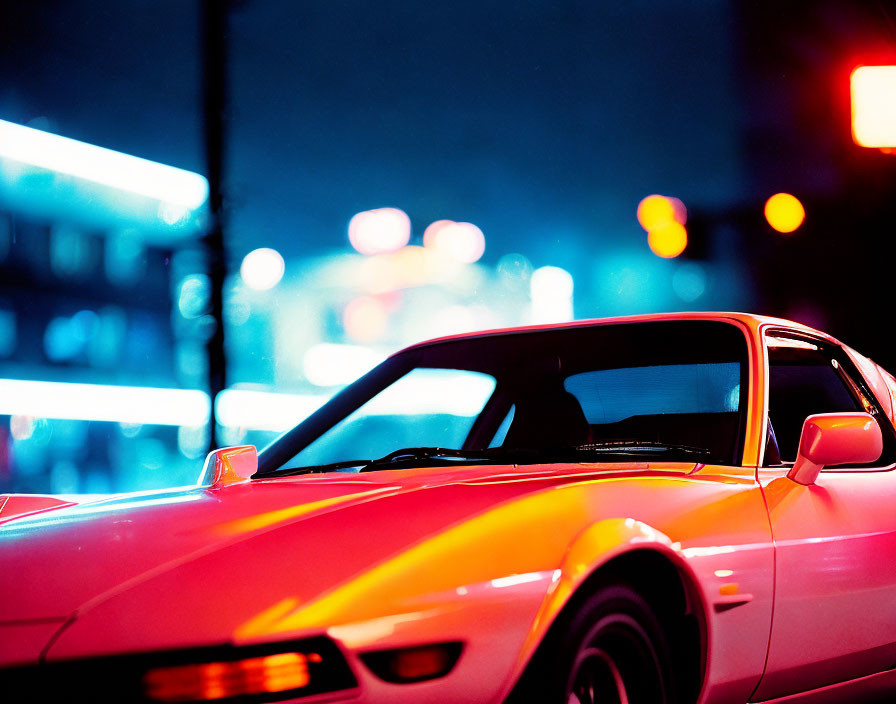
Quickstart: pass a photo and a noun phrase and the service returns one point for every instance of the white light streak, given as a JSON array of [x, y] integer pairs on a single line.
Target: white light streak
[[327, 364], [236, 408], [265, 410], [121, 404], [168, 184]]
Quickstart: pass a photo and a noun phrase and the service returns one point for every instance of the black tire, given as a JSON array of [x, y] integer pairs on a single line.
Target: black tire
[[611, 650]]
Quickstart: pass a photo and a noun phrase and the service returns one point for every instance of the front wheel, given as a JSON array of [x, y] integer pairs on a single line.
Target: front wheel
[[610, 651]]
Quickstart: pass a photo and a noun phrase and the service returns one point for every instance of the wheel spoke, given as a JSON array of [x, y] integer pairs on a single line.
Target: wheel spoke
[[597, 680], [619, 657]]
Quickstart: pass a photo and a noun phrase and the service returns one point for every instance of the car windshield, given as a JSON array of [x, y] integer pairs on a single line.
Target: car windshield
[[671, 388]]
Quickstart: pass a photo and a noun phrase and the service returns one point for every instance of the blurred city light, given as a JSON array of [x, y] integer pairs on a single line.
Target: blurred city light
[[379, 231], [450, 320], [689, 281], [668, 240], [428, 391], [21, 427], [365, 319], [262, 269], [265, 410], [873, 100], [409, 267], [656, 210], [514, 270], [462, 241], [429, 234], [123, 404], [124, 256], [784, 212], [193, 296], [327, 364], [8, 332], [65, 338], [663, 218], [551, 290], [87, 161]]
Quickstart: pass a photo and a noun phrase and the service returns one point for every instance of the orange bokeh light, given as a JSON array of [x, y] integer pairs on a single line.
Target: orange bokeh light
[[365, 319], [784, 212], [873, 98], [655, 211], [668, 240]]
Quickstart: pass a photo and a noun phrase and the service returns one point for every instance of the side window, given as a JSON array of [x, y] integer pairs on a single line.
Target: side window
[[804, 379]]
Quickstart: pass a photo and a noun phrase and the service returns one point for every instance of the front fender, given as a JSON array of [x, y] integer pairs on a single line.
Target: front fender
[[592, 548]]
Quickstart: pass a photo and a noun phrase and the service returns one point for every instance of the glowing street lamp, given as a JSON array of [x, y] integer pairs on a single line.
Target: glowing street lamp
[[663, 218], [873, 99], [784, 212]]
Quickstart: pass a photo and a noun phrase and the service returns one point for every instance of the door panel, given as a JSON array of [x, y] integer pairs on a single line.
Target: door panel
[[835, 596], [834, 615]]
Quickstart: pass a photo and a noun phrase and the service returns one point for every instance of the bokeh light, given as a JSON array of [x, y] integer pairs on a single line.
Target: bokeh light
[[365, 319], [784, 212], [8, 330], [193, 295], [21, 427], [262, 269], [65, 338], [462, 241], [656, 210], [430, 233], [514, 271], [327, 364], [408, 267], [873, 99], [379, 231], [689, 281], [551, 289], [668, 240], [451, 320], [551, 282]]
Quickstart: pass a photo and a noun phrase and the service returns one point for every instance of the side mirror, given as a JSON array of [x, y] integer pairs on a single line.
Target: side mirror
[[229, 465], [835, 438]]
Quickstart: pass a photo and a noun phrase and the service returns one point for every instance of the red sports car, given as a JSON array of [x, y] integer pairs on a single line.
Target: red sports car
[[668, 508]]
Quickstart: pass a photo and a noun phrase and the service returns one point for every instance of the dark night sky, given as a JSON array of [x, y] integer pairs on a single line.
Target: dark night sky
[[541, 122]]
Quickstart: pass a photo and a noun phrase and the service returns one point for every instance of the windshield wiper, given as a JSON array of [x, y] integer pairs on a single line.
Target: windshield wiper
[[430, 456], [414, 456], [645, 447], [441, 456], [311, 469], [434, 456]]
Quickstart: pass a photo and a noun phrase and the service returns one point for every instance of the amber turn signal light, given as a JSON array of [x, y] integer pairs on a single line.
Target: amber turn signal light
[[222, 680], [422, 662]]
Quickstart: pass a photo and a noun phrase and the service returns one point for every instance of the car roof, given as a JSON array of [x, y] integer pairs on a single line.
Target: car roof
[[752, 321]]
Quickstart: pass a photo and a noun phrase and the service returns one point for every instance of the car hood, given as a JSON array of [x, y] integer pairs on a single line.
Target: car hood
[[213, 559]]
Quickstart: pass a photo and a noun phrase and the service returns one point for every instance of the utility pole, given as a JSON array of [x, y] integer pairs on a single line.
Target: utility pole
[[214, 23]]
